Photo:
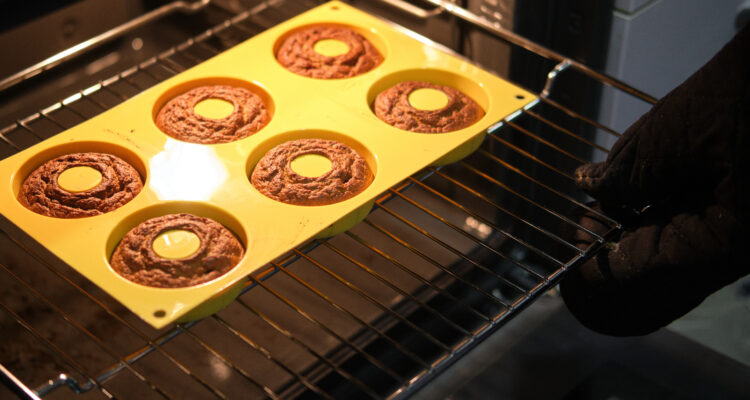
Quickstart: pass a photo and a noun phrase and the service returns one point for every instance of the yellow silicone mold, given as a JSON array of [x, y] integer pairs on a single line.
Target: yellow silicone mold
[[213, 180]]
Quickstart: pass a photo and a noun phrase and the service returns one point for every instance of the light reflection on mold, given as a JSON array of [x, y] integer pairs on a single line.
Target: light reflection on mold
[[187, 171]]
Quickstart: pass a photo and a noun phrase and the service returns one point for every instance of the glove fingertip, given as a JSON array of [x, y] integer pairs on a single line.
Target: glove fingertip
[[589, 176]]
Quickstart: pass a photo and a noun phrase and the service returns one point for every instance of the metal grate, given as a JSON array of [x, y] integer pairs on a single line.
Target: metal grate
[[445, 258]]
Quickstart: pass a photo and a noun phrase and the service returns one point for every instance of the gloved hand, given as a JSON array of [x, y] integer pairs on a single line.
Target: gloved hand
[[688, 158]]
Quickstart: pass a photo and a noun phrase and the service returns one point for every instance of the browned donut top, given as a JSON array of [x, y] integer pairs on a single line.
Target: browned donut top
[[41, 193], [178, 119], [392, 106], [135, 259], [274, 177], [298, 55]]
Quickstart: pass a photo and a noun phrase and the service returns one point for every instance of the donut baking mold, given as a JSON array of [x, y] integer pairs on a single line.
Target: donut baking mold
[[213, 180]]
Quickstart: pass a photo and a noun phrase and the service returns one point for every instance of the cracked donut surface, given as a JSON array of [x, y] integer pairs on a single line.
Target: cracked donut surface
[[177, 118], [274, 177], [392, 106], [135, 259], [297, 53], [41, 193]]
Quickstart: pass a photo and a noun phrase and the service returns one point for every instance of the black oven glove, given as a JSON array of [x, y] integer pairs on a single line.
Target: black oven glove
[[687, 158]]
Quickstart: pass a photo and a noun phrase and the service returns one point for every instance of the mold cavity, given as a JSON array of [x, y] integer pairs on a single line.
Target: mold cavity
[[79, 179], [160, 313], [311, 165], [473, 89], [428, 99], [176, 244], [214, 108], [174, 207], [331, 47]]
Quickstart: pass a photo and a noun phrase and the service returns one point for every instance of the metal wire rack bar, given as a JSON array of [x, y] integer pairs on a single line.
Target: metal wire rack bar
[[92, 382], [324, 360], [537, 182], [123, 363], [455, 250], [527, 44], [426, 335], [404, 268], [530, 201], [413, 305], [84, 46], [458, 229], [270, 357], [497, 206], [18, 387], [352, 315], [382, 367], [432, 261], [71, 321], [228, 363]]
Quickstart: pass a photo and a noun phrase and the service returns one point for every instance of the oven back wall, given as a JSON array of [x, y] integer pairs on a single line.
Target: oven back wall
[[34, 40]]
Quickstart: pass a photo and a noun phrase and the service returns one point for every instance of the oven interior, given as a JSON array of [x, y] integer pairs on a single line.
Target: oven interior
[[446, 259]]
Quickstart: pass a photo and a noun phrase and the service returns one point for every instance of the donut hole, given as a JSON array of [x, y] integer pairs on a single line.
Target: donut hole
[[331, 47], [176, 244], [428, 99], [79, 179], [214, 108], [311, 165], [33, 162]]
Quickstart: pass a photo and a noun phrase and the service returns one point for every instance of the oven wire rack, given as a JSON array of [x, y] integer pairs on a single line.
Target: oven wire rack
[[444, 260]]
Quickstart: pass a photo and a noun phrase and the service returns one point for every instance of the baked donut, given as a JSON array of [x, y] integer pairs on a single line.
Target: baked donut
[[274, 177], [392, 106], [41, 193], [178, 119], [298, 55], [135, 259]]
